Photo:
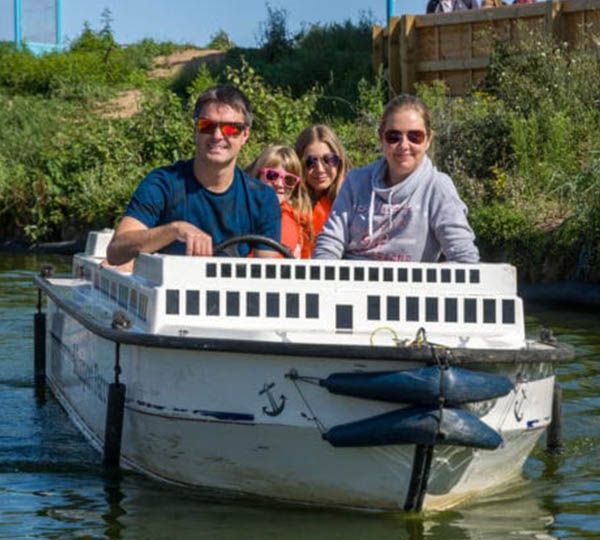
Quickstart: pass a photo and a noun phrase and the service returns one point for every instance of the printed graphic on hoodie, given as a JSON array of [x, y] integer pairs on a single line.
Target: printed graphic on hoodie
[[373, 231]]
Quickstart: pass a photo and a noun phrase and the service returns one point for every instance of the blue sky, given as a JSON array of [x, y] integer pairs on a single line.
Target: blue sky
[[195, 21]]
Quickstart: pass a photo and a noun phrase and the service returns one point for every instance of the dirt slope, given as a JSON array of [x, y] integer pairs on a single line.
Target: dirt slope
[[127, 103]]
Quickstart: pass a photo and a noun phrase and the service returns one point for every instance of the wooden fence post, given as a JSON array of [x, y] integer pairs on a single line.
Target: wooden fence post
[[377, 37], [393, 54], [408, 53], [552, 23]]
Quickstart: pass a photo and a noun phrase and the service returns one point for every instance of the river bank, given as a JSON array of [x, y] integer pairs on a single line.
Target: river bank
[[67, 247]]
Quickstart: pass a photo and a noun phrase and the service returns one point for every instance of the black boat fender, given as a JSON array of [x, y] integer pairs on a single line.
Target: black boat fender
[[421, 386], [416, 425]]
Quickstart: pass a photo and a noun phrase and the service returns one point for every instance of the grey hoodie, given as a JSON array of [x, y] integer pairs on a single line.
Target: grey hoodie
[[415, 220]]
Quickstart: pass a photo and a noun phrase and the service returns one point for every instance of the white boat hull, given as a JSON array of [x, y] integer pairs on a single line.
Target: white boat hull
[[211, 420]]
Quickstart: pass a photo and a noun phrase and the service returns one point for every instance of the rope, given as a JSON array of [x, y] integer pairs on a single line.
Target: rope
[[395, 337], [294, 377], [442, 365], [420, 339]]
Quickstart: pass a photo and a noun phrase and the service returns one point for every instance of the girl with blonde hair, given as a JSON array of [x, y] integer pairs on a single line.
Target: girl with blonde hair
[[279, 167], [324, 167]]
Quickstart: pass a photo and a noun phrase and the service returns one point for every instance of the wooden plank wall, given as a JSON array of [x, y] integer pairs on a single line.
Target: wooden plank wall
[[455, 47]]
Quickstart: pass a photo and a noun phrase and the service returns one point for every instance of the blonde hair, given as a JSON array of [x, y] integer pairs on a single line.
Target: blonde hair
[[278, 155], [324, 134]]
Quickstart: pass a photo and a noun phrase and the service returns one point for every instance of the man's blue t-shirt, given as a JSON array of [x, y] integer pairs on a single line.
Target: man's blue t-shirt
[[172, 194]]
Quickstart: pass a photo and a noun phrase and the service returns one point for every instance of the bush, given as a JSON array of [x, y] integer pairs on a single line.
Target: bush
[[552, 97], [163, 131], [360, 138], [76, 169], [471, 142], [537, 73], [336, 56], [333, 57], [77, 74], [141, 55], [507, 233], [278, 117], [93, 66], [201, 82], [220, 41]]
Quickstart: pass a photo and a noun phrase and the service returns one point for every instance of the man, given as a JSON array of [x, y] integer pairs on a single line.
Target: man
[[191, 206]]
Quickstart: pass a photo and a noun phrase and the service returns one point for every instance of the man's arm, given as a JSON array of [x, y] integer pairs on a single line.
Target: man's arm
[[132, 237]]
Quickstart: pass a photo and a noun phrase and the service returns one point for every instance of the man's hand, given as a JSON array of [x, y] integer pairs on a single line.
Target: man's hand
[[196, 241], [127, 267], [132, 237]]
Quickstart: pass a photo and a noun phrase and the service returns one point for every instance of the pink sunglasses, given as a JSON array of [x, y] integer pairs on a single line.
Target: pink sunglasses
[[271, 176]]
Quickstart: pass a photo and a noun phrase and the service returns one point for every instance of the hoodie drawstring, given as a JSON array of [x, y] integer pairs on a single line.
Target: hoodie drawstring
[[371, 212]]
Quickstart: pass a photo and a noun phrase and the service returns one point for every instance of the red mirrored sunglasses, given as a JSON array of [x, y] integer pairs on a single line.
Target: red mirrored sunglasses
[[272, 176], [414, 136], [206, 126], [333, 160]]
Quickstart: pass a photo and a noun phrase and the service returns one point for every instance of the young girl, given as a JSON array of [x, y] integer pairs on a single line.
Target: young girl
[[279, 167], [324, 167]]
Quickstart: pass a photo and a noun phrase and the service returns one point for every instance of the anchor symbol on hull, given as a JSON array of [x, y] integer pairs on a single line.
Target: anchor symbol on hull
[[520, 405], [276, 409]]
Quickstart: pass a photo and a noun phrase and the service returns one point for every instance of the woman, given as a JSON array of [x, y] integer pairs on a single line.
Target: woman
[[279, 167], [324, 167], [401, 207]]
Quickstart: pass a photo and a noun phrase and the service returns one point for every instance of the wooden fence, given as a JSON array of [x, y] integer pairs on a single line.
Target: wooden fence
[[455, 47]]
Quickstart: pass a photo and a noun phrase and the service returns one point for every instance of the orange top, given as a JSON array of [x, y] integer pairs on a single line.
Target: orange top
[[290, 229], [320, 213]]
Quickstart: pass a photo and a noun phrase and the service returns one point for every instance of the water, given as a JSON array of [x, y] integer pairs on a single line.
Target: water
[[52, 485]]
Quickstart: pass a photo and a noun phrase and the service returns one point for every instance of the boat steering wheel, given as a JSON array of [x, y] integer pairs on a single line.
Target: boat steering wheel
[[229, 247]]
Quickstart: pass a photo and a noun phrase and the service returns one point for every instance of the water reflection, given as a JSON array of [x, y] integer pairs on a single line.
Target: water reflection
[[138, 508], [114, 496], [86, 506]]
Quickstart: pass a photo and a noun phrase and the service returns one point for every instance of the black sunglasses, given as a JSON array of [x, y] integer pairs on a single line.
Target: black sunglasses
[[333, 160], [414, 136]]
